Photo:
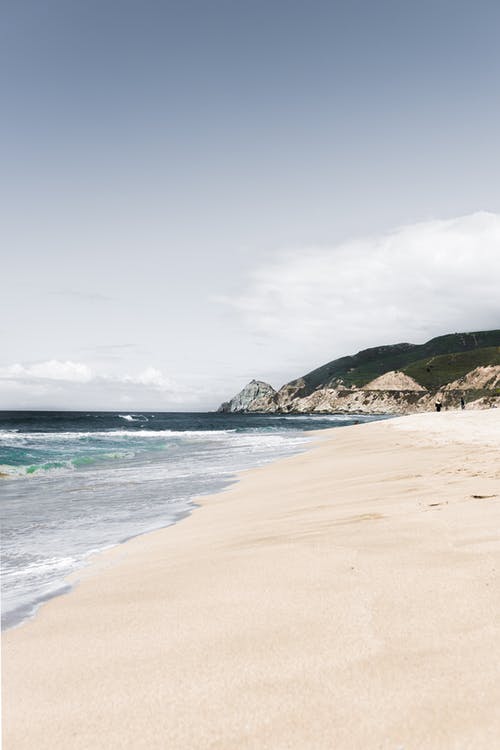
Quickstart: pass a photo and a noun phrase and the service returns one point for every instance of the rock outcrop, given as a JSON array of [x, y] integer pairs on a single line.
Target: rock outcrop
[[480, 378], [253, 397], [393, 381], [397, 379], [361, 401], [366, 401]]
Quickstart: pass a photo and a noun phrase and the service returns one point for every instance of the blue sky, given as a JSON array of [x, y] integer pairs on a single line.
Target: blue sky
[[170, 163]]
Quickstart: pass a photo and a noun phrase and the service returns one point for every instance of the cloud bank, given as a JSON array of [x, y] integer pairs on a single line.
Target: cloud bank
[[301, 309], [410, 284], [75, 385]]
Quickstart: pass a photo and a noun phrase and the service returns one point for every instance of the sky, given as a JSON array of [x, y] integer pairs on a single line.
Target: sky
[[197, 193]]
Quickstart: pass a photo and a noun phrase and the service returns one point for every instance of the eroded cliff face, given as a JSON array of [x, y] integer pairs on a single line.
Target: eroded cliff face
[[392, 393], [330, 401], [455, 369], [487, 377], [393, 381]]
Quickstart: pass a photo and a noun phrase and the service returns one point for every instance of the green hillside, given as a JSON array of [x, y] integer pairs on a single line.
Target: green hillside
[[434, 372], [366, 365]]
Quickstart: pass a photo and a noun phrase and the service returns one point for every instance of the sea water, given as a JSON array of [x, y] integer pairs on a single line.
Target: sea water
[[74, 483]]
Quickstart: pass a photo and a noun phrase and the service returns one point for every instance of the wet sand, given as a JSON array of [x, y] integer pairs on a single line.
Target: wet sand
[[344, 598]]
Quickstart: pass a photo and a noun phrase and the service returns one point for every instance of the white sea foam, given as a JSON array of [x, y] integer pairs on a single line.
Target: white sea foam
[[36, 471], [109, 434], [12, 471], [98, 488], [39, 567], [327, 417]]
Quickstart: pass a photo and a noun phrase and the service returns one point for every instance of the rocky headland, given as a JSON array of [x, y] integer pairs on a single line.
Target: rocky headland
[[398, 379]]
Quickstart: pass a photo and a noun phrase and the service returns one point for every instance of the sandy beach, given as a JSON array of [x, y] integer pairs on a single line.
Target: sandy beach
[[344, 598]]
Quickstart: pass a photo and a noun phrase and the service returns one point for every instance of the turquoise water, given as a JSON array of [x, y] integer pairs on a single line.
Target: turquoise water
[[76, 483]]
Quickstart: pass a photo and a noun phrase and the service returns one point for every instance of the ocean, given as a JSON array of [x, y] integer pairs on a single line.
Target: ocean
[[75, 483]]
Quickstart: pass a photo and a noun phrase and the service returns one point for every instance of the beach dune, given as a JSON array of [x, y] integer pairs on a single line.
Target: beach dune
[[344, 598]]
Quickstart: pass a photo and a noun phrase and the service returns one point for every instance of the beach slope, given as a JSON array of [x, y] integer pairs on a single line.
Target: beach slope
[[344, 598]]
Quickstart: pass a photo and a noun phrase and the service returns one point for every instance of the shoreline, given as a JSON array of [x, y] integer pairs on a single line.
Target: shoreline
[[342, 596], [67, 584], [70, 582]]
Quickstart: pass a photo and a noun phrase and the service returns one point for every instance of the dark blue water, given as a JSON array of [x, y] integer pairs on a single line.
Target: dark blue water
[[75, 483]]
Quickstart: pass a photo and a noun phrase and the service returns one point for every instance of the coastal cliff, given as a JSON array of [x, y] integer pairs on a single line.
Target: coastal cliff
[[253, 396], [398, 379]]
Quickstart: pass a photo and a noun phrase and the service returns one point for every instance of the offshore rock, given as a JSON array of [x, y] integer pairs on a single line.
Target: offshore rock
[[255, 396]]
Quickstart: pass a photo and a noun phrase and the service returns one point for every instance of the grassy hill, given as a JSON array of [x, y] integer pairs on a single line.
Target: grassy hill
[[434, 372], [432, 364]]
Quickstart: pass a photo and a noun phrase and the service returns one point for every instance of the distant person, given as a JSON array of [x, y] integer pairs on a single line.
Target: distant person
[[462, 402], [438, 405]]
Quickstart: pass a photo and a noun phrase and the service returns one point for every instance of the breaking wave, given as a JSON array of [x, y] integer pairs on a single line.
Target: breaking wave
[[76, 483]]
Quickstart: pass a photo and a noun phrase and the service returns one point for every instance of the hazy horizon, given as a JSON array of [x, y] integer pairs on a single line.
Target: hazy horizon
[[202, 194]]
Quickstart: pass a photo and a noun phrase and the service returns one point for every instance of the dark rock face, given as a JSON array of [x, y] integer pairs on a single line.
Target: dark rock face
[[255, 391]]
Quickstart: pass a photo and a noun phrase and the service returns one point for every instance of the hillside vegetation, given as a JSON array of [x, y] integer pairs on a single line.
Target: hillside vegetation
[[413, 359], [435, 372], [457, 370]]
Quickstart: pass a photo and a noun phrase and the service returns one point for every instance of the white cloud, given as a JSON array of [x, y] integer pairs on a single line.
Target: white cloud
[[407, 285], [77, 372], [75, 383], [301, 309], [151, 377], [73, 372]]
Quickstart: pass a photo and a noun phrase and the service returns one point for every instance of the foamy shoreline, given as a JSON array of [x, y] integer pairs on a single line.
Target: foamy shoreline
[[129, 483], [345, 597]]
